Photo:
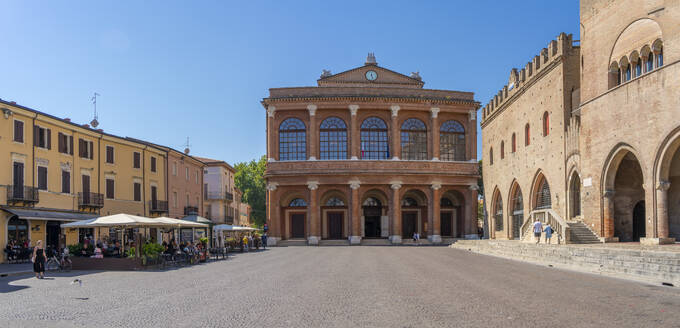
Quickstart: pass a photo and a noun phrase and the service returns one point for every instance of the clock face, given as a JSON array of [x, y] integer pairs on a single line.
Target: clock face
[[371, 75]]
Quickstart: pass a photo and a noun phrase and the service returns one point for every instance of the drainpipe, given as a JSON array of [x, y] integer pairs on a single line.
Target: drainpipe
[[167, 190], [99, 169], [33, 152], [144, 180]]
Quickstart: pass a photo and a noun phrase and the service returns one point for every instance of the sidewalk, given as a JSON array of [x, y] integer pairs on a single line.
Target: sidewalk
[[15, 269]]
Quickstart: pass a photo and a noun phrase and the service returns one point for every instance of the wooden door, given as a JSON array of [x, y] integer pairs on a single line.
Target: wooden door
[[335, 225], [446, 220], [408, 225], [297, 225]]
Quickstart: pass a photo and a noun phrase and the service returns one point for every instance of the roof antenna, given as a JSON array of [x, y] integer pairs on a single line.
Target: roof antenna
[[94, 121], [186, 147]]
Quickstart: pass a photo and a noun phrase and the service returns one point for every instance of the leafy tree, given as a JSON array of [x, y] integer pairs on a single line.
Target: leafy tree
[[249, 179]]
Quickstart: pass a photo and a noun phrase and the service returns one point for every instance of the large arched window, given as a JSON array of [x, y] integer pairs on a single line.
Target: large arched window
[[292, 140], [527, 135], [413, 140], [374, 142], [452, 141], [546, 124], [514, 143], [297, 202], [333, 138], [498, 213], [543, 195]]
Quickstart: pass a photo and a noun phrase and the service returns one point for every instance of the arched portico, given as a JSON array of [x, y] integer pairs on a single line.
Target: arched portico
[[334, 222], [451, 214], [413, 213], [516, 211], [374, 219], [667, 190]]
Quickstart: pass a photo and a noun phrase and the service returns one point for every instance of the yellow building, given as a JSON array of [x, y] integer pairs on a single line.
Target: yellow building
[[54, 171]]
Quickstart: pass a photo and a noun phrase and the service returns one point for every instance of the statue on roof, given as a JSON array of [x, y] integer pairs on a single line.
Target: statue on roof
[[370, 59], [325, 73], [416, 75]]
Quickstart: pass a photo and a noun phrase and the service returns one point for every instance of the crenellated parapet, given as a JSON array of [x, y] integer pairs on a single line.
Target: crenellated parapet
[[521, 79]]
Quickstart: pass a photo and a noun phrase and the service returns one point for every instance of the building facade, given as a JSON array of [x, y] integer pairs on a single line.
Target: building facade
[[185, 184], [586, 136], [54, 171], [220, 193], [370, 154]]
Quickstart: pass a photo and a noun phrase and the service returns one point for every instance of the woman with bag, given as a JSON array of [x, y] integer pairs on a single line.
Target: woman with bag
[[38, 260]]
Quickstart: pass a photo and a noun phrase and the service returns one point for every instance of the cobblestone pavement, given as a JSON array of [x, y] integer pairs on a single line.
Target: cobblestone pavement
[[340, 287]]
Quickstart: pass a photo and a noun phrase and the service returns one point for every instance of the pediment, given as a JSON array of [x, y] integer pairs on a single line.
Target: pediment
[[358, 77]]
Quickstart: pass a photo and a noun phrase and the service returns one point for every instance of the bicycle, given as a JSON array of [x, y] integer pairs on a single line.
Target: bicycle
[[53, 263]]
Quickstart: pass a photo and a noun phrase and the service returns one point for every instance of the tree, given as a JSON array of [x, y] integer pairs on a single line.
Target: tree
[[249, 179]]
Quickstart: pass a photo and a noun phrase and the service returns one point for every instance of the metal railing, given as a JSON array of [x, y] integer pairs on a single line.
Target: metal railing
[[160, 206], [22, 194], [546, 216], [219, 195], [90, 199]]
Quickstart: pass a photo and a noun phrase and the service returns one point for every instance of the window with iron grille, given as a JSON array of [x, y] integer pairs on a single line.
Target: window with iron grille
[[297, 202], [517, 213], [333, 139], [292, 140], [543, 195], [374, 142], [452, 141], [335, 201], [413, 140], [498, 213]]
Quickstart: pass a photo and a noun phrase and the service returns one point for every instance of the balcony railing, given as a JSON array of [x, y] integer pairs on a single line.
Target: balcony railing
[[90, 199], [158, 206], [190, 210], [219, 195], [16, 194]]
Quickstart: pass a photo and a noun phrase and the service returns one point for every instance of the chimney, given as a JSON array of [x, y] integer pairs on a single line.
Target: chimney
[[86, 126], [67, 119]]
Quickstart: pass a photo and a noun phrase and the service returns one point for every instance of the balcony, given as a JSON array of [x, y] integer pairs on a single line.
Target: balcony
[[158, 206], [219, 196], [190, 210], [90, 199], [229, 219], [22, 194]]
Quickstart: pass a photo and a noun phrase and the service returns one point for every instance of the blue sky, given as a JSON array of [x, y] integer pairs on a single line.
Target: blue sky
[[168, 70]]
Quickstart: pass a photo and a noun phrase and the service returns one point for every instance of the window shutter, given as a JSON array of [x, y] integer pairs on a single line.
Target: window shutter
[[81, 147], [110, 188], [91, 146], [18, 131], [70, 143], [65, 182], [36, 133], [60, 142], [49, 138]]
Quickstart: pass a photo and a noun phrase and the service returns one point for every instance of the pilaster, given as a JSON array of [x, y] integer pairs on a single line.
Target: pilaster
[[435, 195], [355, 236], [313, 214], [354, 142], [313, 133], [434, 133], [395, 238], [395, 136]]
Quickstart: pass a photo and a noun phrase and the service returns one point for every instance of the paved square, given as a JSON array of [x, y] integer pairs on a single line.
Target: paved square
[[340, 287]]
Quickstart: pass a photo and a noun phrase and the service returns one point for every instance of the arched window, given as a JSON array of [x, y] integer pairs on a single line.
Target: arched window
[[628, 73], [297, 202], [452, 141], [409, 202], [527, 135], [502, 149], [517, 213], [498, 213], [413, 140], [17, 229], [374, 139], [546, 124], [333, 139], [335, 201], [445, 202], [514, 143], [292, 140], [543, 195], [491, 156], [638, 67], [659, 58], [650, 62], [617, 71], [372, 202]]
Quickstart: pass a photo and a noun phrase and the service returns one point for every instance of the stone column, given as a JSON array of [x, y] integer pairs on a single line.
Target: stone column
[[434, 133], [471, 214], [355, 235], [395, 136], [273, 214], [608, 216], [471, 137], [314, 234], [435, 236], [271, 135], [396, 213], [354, 136], [662, 209], [313, 133]]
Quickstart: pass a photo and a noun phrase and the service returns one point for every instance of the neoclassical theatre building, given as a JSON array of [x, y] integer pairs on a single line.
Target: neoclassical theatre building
[[370, 156], [586, 135]]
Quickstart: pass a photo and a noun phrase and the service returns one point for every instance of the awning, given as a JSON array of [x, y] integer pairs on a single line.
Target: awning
[[32, 214], [196, 218], [228, 227]]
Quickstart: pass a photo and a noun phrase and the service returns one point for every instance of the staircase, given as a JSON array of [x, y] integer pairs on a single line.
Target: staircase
[[333, 242], [579, 233], [292, 242], [375, 242]]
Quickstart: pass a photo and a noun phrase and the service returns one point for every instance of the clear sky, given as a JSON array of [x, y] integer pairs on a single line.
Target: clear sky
[[168, 70]]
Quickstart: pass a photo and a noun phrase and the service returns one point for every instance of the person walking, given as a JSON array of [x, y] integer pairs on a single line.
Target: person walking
[[538, 228], [38, 259], [264, 241], [245, 243], [548, 233]]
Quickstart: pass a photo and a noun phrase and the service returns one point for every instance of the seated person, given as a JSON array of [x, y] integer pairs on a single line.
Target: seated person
[[98, 252]]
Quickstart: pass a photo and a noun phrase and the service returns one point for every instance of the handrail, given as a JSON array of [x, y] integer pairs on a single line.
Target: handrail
[[546, 216]]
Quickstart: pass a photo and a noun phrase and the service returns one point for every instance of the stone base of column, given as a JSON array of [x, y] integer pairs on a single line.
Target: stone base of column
[[474, 236], [313, 240], [273, 241], [609, 239], [354, 240], [395, 239], [656, 241], [354, 158], [435, 239]]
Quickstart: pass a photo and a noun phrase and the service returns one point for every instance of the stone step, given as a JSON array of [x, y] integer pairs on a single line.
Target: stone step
[[334, 242], [375, 242], [292, 242]]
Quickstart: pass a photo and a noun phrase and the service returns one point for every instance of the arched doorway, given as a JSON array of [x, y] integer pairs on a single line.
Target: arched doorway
[[623, 191], [517, 210], [667, 188], [574, 196], [372, 208], [333, 214], [497, 212], [412, 215], [639, 220], [297, 218], [451, 218]]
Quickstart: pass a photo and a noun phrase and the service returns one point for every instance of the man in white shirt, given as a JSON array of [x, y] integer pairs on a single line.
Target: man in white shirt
[[538, 228]]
